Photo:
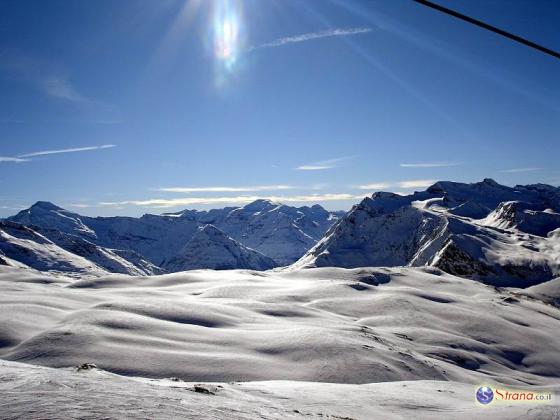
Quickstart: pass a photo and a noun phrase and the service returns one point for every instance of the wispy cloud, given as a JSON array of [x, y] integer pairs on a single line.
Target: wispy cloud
[[13, 207], [517, 170], [427, 165], [312, 36], [47, 77], [413, 183], [71, 150], [59, 87], [256, 188], [12, 159], [190, 201], [375, 186], [324, 164], [416, 183]]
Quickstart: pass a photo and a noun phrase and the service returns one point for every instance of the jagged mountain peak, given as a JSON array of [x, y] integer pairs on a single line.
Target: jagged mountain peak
[[45, 205], [450, 187], [385, 194], [281, 232], [210, 231], [261, 204], [491, 182], [214, 249], [506, 233]]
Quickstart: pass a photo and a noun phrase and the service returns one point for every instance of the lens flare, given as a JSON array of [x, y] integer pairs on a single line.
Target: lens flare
[[227, 36]]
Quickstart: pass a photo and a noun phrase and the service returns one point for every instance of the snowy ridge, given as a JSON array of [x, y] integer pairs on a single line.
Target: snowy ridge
[[54, 251], [485, 231], [521, 216], [213, 249], [280, 232], [31, 249], [472, 230]]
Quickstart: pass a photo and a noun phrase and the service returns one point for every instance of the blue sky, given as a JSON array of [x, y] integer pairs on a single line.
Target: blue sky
[[135, 106]]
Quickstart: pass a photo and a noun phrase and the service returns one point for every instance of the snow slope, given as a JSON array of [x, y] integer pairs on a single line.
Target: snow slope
[[212, 248], [30, 249], [48, 215], [510, 243], [321, 325], [53, 251], [31, 391], [282, 232], [516, 215]]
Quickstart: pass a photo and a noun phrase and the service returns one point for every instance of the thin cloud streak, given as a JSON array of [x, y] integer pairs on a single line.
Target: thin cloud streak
[[12, 159], [378, 186], [427, 165], [188, 190], [413, 183], [189, 201], [417, 183], [518, 170], [312, 36], [324, 164], [71, 150], [314, 167]]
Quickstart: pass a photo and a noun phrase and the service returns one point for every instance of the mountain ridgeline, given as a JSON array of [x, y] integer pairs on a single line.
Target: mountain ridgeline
[[258, 236], [497, 234], [500, 235]]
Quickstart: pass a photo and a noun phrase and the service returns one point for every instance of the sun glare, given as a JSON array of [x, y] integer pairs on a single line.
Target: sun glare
[[227, 34]]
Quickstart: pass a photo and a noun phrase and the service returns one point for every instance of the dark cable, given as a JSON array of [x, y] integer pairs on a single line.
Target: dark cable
[[489, 27]]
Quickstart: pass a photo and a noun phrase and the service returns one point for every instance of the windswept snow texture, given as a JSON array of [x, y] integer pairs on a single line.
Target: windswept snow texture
[[212, 248], [501, 235], [30, 391], [280, 232], [351, 326]]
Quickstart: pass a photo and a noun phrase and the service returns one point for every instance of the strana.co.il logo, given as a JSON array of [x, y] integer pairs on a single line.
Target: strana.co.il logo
[[484, 395]]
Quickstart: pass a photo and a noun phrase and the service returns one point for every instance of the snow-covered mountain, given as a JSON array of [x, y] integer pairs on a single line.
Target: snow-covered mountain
[[153, 237], [212, 248], [498, 234], [51, 250], [280, 232]]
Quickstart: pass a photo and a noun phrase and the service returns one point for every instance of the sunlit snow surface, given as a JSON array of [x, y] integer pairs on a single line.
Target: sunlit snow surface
[[36, 392], [327, 325]]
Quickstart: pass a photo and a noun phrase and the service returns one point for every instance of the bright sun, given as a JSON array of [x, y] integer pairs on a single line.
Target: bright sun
[[227, 22]]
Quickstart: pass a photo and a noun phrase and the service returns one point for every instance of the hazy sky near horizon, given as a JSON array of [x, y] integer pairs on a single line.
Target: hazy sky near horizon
[[135, 106]]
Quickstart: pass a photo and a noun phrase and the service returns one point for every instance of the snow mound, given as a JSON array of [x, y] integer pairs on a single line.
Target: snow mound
[[322, 325], [26, 390]]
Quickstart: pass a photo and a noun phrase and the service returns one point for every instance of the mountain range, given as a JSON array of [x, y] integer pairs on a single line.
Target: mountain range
[[500, 235], [505, 236], [258, 236]]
